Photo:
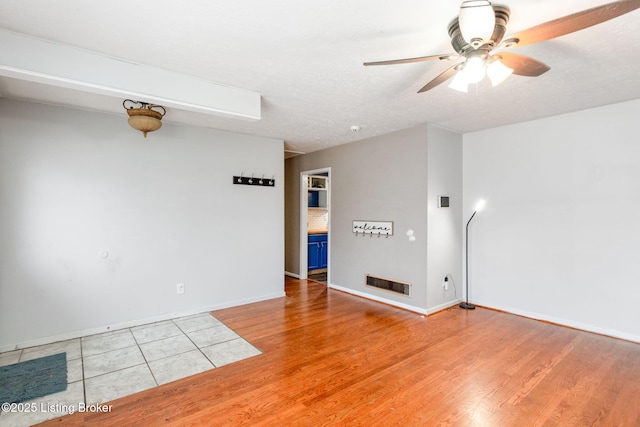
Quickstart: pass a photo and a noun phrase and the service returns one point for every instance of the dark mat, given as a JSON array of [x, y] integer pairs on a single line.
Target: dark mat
[[34, 378]]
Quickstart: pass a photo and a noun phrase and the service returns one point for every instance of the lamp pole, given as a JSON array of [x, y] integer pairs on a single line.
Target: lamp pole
[[466, 304]]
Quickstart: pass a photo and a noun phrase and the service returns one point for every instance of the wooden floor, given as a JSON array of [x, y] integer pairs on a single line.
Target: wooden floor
[[330, 358]]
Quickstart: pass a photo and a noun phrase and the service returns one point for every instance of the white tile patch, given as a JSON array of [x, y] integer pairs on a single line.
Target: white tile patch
[[179, 366], [10, 357], [197, 322], [117, 384], [167, 347], [71, 347], [74, 371], [230, 351], [104, 367], [210, 336], [155, 331], [115, 360], [101, 343]]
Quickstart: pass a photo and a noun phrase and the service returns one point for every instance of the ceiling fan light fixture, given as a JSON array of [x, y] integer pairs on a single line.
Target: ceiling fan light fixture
[[477, 22], [474, 69], [480, 28], [498, 72], [459, 83]]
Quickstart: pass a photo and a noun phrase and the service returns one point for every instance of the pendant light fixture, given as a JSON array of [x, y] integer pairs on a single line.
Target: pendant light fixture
[[143, 116]]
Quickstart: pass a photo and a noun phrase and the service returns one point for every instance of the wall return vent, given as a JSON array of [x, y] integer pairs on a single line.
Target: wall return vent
[[394, 286]]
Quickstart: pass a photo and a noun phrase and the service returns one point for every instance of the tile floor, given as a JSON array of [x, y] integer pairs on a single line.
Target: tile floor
[[104, 367]]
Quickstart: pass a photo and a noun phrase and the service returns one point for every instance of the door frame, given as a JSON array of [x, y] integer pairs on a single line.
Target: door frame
[[304, 219]]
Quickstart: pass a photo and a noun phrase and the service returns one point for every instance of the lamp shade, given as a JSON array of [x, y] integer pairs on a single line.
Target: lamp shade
[[474, 69], [477, 22], [144, 118], [459, 82], [498, 72]]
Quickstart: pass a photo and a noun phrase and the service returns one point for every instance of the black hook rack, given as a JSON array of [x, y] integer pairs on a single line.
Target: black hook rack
[[252, 180]]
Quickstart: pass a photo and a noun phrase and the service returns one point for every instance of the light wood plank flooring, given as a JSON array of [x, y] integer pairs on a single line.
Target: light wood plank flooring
[[330, 358]]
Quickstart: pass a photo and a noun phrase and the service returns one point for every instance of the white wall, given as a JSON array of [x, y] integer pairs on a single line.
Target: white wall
[[444, 235], [377, 179], [560, 236], [389, 178], [75, 185], [381, 179]]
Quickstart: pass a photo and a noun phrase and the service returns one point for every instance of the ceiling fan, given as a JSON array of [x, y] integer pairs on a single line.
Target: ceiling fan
[[477, 36]]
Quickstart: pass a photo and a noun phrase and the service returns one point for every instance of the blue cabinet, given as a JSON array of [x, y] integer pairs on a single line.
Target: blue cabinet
[[314, 256], [317, 251], [317, 198], [314, 199]]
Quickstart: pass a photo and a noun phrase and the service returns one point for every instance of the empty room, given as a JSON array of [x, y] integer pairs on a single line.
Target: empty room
[[357, 213]]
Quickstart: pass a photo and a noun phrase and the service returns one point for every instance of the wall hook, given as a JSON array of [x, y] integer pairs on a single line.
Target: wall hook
[[245, 180]]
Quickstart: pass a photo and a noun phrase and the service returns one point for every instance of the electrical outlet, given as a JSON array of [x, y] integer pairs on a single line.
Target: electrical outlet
[[445, 282], [180, 288]]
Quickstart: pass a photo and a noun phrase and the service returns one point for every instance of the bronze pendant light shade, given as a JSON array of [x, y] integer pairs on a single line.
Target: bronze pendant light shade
[[143, 116]]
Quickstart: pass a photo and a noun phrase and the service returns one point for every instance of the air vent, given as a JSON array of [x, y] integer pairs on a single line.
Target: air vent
[[394, 286]]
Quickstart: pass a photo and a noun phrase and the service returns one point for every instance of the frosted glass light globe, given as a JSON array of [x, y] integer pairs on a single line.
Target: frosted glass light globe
[[477, 21], [474, 69]]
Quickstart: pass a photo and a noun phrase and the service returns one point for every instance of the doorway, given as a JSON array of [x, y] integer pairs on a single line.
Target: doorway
[[315, 224]]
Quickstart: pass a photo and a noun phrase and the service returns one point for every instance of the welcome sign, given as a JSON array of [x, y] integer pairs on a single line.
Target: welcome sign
[[381, 228]]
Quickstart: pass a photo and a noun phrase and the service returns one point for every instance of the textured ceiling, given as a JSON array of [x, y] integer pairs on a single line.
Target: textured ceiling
[[305, 59]]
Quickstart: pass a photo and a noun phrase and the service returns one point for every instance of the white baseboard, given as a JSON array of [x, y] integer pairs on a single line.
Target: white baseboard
[[133, 323], [409, 307], [565, 322], [443, 306], [287, 273]]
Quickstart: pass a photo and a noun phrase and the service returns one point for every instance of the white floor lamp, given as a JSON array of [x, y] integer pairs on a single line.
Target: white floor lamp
[[466, 304]]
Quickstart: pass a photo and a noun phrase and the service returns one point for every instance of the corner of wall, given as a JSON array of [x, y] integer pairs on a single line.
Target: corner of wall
[[444, 253]]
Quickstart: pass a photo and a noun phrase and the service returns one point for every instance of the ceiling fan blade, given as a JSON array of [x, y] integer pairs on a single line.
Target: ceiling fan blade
[[444, 76], [572, 23], [523, 65], [410, 60]]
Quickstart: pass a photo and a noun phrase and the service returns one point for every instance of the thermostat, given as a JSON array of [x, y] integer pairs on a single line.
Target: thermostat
[[443, 201]]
